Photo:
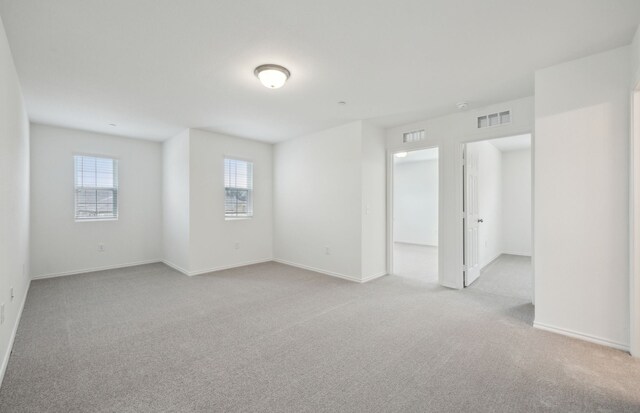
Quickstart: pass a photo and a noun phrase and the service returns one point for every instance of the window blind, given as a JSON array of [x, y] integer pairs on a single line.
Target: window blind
[[238, 187], [96, 187]]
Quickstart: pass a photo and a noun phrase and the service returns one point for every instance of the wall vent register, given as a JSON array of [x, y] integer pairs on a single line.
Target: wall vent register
[[414, 136], [494, 119]]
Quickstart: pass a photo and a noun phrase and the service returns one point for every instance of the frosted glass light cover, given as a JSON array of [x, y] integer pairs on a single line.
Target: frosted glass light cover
[[272, 78]]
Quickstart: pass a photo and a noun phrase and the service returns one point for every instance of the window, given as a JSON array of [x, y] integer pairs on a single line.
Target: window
[[96, 181], [238, 188]]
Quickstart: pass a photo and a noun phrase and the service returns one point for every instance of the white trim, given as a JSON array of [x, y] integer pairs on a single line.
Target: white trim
[[5, 360], [581, 336], [415, 243], [331, 273], [175, 267], [228, 267], [634, 222], [214, 269], [86, 270], [372, 277], [522, 254], [491, 261]]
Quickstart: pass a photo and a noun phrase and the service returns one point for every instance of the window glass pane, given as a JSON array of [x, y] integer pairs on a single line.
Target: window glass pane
[[238, 183], [96, 187]]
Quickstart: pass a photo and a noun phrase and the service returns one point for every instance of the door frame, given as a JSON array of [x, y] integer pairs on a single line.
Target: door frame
[[634, 222], [390, 170]]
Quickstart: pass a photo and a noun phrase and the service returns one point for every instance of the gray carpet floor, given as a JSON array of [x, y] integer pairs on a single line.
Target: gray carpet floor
[[419, 262], [507, 275], [270, 337]]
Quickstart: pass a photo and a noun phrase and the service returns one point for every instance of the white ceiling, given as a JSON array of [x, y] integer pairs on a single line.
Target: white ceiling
[[512, 143], [155, 67]]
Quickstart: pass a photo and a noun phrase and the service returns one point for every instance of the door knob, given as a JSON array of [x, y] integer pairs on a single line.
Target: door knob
[[481, 220]]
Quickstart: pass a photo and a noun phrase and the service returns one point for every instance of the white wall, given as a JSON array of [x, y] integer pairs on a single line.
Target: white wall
[[59, 244], [175, 201], [374, 197], [318, 198], [516, 202], [213, 239], [197, 237], [582, 198], [634, 245], [415, 203], [329, 194], [14, 199], [635, 59], [449, 133]]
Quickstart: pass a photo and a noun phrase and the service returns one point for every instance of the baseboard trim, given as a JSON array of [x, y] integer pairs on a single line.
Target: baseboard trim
[[373, 277], [318, 270], [581, 336], [86, 270], [7, 355], [491, 261], [521, 254], [214, 269], [175, 267], [331, 273], [419, 244], [228, 267]]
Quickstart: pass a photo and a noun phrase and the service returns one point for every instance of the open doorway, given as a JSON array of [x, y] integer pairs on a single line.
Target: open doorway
[[497, 218], [415, 215]]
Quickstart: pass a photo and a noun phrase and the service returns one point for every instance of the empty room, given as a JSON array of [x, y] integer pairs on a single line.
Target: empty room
[[336, 206]]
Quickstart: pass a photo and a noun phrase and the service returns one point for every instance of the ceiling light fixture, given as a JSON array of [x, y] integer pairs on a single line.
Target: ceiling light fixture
[[272, 76], [462, 105], [401, 154]]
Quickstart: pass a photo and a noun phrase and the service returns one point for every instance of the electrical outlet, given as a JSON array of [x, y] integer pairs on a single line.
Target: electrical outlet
[[2, 313], [237, 245], [101, 247], [12, 295], [327, 251]]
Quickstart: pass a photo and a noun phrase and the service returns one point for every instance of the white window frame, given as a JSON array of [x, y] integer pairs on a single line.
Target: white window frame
[[115, 188], [236, 216]]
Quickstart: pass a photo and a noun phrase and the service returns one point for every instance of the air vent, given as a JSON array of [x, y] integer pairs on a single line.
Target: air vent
[[494, 119], [414, 136]]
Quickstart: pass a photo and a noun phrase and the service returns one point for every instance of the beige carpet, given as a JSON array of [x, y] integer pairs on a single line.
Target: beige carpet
[[275, 338]]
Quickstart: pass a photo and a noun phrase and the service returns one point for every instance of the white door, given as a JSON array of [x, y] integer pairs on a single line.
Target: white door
[[471, 218]]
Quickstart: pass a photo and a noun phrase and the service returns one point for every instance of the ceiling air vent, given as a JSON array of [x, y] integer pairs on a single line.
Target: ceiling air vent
[[414, 136], [494, 119]]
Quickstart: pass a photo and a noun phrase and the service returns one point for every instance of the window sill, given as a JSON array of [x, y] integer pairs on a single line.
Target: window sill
[[96, 220], [236, 218]]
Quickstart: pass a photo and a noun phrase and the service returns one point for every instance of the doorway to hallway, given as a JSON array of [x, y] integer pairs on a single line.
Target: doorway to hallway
[[415, 215]]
